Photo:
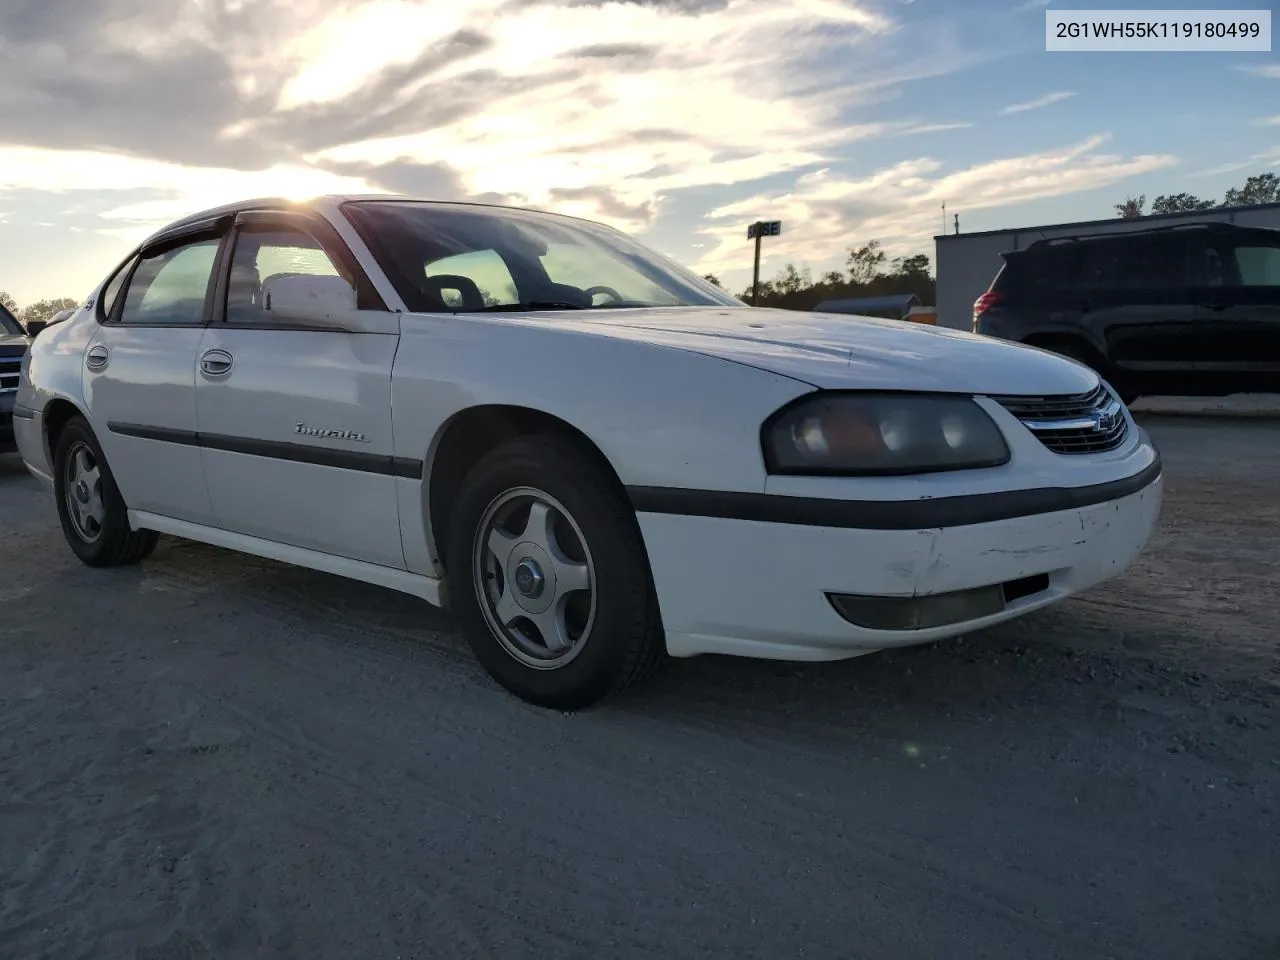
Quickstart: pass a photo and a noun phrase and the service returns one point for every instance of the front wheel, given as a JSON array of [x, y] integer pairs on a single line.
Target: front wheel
[[94, 518], [550, 575]]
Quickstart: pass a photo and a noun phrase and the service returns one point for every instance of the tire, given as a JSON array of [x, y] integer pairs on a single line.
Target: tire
[[608, 637], [97, 528]]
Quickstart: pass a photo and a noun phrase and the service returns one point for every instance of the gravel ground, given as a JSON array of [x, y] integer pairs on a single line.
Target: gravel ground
[[216, 756]]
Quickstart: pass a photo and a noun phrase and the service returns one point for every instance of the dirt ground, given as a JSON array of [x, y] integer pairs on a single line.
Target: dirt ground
[[216, 756]]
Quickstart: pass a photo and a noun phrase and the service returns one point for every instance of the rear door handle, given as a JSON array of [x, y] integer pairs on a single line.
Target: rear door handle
[[96, 358], [216, 363]]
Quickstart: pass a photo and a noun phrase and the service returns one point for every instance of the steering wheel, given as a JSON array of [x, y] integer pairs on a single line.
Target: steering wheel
[[592, 291]]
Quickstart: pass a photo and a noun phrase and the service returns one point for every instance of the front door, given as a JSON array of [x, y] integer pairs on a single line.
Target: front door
[[139, 374], [1241, 343], [295, 423]]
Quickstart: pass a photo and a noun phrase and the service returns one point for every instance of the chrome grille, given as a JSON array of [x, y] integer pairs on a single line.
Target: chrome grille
[[10, 367], [1092, 422]]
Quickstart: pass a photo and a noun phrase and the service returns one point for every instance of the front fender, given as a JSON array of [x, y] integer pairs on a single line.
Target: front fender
[[660, 415]]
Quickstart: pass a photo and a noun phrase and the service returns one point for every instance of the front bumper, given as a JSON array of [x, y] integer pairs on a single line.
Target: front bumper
[[761, 589], [28, 428]]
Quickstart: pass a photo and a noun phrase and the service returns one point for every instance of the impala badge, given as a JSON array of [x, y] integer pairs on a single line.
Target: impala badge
[[330, 434]]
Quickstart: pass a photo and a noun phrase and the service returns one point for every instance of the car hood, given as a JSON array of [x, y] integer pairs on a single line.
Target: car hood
[[11, 343], [839, 351]]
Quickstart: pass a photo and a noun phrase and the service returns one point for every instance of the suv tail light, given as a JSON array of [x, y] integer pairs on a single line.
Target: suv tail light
[[985, 303]]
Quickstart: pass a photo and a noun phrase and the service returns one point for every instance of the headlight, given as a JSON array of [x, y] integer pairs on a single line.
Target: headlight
[[881, 434]]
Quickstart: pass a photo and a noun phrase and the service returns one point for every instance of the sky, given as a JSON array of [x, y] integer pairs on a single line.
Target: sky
[[679, 121]]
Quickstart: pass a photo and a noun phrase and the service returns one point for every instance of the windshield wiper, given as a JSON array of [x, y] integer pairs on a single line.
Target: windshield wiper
[[532, 305]]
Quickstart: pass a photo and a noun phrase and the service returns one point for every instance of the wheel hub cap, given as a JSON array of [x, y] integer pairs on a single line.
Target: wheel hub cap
[[530, 573], [529, 579]]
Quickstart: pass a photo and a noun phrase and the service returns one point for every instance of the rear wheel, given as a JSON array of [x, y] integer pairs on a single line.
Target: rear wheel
[[551, 579], [94, 518]]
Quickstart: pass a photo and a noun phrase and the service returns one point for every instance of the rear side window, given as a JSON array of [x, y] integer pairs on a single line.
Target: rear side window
[[1041, 272], [1151, 263], [111, 292], [169, 289], [1258, 266]]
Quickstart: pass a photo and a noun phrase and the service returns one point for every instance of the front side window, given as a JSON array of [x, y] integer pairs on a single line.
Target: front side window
[[1258, 266], [262, 255], [169, 288], [458, 258]]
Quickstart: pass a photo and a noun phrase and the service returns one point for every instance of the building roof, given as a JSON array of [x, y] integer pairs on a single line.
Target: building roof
[[897, 301], [1149, 218]]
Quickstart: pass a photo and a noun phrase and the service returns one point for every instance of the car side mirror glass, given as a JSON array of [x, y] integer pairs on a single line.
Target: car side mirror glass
[[35, 326], [319, 300]]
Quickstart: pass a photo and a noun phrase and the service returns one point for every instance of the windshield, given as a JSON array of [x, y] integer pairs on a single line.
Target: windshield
[[9, 323], [457, 258]]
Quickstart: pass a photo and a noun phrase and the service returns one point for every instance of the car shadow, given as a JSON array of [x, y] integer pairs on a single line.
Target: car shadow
[[11, 466], [1034, 660]]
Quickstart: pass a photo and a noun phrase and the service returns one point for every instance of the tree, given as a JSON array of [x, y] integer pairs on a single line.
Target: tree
[[791, 281], [45, 309], [865, 263], [8, 302], [912, 268], [1132, 208], [1179, 203], [795, 289], [712, 279], [1264, 188]]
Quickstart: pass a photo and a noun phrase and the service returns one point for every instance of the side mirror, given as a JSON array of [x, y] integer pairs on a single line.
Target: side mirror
[[305, 299], [35, 326]]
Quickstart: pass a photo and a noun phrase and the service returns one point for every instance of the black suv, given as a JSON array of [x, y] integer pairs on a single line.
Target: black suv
[[1189, 310], [13, 344]]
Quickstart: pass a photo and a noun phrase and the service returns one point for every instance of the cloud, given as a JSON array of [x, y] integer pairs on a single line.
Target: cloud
[[932, 128], [1270, 158], [900, 205], [1039, 102], [1268, 121], [1269, 70], [563, 103], [600, 200], [135, 195]]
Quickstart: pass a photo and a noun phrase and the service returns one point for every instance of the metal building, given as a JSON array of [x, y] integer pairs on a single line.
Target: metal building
[[968, 262]]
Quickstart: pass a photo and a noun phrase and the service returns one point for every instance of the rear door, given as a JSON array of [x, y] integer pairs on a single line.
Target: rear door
[[139, 372], [1141, 303], [295, 422]]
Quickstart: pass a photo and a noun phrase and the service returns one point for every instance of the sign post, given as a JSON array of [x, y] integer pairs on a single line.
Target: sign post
[[756, 232]]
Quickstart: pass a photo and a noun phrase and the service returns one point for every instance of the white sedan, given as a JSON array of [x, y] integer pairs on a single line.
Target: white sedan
[[594, 457]]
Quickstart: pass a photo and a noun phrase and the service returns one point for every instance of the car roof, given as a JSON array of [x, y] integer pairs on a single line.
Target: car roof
[[1209, 226], [328, 201]]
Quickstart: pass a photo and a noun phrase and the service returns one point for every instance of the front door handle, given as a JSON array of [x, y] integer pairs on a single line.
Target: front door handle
[[216, 363], [96, 358]]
